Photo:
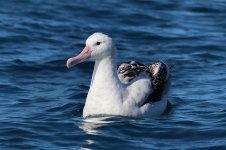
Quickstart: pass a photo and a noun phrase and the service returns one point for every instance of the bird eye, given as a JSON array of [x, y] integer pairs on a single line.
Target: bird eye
[[98, 43]]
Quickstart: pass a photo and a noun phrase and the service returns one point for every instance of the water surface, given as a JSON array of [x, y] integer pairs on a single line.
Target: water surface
[[41, 101]]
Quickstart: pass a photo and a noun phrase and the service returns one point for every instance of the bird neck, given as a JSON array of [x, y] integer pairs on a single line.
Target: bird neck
[[105, 73]]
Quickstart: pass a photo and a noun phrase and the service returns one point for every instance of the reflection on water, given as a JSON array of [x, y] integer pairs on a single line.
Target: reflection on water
[[92, 124]]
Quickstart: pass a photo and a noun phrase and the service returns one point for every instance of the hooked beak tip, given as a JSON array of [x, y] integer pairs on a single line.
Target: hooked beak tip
[[69, 63]]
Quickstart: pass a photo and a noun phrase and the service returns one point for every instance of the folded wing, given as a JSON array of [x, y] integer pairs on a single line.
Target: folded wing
[[136, 73]]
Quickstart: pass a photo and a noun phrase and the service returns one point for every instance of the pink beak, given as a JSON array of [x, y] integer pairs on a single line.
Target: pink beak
[[85, 54]]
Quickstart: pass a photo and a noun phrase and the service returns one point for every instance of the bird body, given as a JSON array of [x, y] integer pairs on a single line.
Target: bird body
[[134, 90]]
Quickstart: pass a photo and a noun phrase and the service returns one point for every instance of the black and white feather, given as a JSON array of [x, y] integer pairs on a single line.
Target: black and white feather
[[158, 72]]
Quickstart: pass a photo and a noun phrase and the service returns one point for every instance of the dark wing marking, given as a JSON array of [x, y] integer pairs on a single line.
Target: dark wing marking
[[159, 73], [132, 69]]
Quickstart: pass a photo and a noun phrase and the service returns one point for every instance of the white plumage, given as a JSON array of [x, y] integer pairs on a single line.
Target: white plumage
[[108, 93]]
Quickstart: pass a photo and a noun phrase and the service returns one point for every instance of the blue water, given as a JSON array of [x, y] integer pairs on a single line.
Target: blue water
[[41, 101]]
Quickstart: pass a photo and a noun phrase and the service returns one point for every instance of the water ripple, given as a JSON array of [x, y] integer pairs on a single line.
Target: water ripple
[[42, 101]]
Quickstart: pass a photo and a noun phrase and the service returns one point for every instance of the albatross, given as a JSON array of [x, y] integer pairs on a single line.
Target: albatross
[[131, 90]]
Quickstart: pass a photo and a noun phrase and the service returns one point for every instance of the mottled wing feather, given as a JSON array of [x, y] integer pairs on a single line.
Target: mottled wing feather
[[158, 75], [131, 70]]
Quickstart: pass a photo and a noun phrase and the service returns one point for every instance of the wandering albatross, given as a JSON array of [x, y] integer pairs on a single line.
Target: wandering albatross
[[132, 90]]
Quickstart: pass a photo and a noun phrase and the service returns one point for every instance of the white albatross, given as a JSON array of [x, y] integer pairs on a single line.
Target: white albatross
[[134, 90]]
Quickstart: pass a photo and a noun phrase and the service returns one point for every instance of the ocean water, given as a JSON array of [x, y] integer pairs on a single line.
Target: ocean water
[[41, 101]]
